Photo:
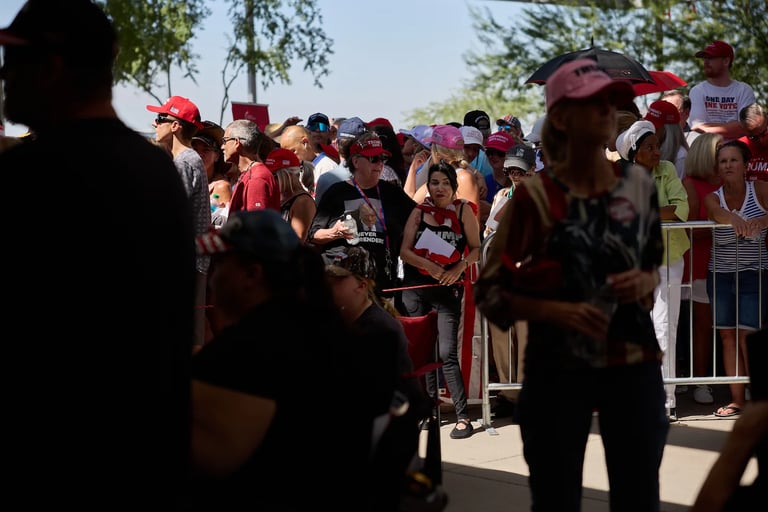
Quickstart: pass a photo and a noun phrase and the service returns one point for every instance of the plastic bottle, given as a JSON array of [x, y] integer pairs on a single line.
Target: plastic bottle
[[215, 203], [351, 225]]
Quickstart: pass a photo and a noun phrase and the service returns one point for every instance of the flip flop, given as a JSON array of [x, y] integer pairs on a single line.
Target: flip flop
[[728, 411]]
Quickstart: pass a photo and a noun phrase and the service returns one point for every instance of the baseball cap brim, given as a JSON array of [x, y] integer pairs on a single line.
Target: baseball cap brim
[[373, 152], [337, 271], [514, 161]]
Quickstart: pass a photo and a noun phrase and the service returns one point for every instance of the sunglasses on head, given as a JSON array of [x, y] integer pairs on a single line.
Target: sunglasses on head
[[318, 127]]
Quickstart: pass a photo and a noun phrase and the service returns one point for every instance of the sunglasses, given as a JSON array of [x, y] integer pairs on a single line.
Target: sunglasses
[[494, 152], [374, 159], [318, 127], [759, 136], [513, 171], [224, 140], [163, 119]]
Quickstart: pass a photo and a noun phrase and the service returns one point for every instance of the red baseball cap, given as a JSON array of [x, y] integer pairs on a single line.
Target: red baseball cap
[[379, 121], [281, 158], [369, 147], [181, 108], [582, 78], [500, 141], [716, 49], [662, 112]]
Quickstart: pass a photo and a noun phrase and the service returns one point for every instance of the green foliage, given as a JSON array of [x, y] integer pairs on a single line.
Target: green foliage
[[155, 37], [287, 31], [267, 36], [663, 35]]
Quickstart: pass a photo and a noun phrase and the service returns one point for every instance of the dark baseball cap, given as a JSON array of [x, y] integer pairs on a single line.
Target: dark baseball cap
[[77, 29], [355, 261], [318, 122], [262, 234], [478, 119], [350, 128]]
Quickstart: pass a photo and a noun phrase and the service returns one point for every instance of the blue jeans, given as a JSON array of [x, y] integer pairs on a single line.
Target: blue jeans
[[446, 300], [555, 416], [752, 300]]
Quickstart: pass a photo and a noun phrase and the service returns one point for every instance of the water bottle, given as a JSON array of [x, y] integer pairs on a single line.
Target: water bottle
[[215, 203], [351, 225]]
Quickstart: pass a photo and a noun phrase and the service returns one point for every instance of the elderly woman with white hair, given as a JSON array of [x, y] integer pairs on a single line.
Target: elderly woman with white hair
[[640, 145]]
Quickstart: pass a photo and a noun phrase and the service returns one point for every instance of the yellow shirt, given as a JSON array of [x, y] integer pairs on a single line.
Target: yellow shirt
[[672, 192]]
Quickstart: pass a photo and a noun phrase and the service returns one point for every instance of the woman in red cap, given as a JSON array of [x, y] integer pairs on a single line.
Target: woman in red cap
[[296, 204]]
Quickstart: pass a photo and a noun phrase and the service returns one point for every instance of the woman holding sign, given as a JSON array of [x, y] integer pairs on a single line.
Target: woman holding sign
[[440, 242]]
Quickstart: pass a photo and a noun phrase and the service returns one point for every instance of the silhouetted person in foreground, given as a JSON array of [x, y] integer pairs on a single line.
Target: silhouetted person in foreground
[[102, 261]]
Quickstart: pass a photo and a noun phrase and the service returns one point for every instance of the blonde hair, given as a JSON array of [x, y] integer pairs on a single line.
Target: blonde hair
[[288, 180], [454, 157], [701, 159]]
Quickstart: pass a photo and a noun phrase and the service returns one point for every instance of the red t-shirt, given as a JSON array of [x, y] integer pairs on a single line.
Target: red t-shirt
[[256, 189]]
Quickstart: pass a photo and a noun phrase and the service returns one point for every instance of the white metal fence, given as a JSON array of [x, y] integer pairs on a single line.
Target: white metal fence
[[713, 378]]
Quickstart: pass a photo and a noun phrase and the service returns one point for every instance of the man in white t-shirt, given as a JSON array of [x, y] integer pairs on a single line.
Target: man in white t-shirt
[[716, 103]]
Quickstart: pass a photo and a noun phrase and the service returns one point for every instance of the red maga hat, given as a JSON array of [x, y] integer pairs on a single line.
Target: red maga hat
[[180, 108]]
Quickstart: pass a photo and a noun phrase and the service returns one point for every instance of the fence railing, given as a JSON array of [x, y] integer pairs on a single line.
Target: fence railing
[[667, 227]]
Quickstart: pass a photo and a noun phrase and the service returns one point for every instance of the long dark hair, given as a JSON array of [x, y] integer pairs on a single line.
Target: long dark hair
[[447, 169]]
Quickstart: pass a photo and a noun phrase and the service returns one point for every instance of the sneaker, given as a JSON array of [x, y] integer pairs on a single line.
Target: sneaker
[[703, 394], [673, 415]]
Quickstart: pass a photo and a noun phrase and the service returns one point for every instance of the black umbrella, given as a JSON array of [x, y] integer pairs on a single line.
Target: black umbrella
[[617, 65]]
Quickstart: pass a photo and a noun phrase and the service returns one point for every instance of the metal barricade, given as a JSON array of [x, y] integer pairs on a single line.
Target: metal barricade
[[667, 227]]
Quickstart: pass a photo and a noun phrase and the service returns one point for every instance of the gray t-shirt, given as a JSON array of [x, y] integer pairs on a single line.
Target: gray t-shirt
[[193, 176]]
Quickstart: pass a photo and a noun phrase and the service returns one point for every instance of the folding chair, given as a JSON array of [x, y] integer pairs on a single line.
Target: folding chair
[[421, 332]]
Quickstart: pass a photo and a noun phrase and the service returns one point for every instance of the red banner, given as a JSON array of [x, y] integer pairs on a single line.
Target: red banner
[[256, 112]]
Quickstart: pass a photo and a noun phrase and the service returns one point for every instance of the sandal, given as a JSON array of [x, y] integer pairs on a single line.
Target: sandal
[[462, 433], [728, 411]]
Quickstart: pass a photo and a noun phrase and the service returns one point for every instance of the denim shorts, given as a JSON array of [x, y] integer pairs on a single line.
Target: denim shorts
[[752, 299]]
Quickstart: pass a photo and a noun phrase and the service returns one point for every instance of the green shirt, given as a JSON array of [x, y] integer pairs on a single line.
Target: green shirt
[[672, 192]]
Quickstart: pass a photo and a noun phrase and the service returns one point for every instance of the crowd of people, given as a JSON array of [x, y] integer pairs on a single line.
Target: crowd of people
[[348, 225]]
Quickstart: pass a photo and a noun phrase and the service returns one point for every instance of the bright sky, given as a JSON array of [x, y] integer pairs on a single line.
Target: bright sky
[[390, 57]]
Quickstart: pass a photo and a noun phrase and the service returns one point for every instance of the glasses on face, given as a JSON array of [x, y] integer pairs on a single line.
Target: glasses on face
[[163, 119], [494, 153], [759, 136], [318, 127], [513, 171], [375, 159], [224, 140]]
